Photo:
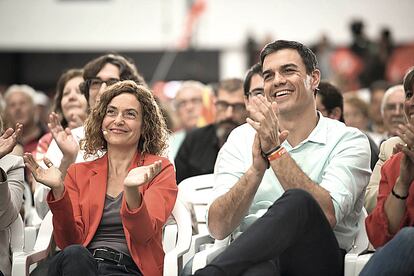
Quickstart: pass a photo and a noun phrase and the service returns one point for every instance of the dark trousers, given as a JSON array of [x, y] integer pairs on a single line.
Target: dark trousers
[[292, 238], [77, 260]]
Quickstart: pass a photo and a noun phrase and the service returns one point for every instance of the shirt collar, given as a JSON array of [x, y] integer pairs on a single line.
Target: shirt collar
[[318, 135]]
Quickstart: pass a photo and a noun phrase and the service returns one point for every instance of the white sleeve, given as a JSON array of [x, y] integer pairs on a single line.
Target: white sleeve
[[348, 172]]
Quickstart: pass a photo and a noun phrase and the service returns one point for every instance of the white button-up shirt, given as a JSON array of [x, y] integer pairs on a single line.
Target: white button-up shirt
[[333, 156]]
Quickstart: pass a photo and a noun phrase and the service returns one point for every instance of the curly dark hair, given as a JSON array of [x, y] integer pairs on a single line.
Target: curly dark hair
[[154, 133]]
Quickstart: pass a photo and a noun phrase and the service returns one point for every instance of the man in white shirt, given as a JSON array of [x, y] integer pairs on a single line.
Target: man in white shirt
[[310, 171]]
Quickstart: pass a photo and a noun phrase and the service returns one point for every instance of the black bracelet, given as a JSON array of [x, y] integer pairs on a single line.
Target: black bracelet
[[267, 154], [398, 196]]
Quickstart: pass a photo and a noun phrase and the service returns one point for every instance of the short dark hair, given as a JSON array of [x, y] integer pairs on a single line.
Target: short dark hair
[[409, 80], [230, 85], [127, 69], [57, 101], [331, 97], [255, 69], [308, 57]]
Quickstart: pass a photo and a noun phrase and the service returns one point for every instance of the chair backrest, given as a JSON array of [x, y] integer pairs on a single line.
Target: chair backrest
[[196, 193]]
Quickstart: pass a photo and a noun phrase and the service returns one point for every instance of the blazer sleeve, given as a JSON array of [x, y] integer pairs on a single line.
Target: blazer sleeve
[[68, 225], [11, 190], [145, 222]]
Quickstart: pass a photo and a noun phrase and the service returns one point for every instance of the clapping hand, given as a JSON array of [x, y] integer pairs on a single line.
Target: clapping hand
[[63, 137], [9, 139], [406, 133], [50, 177], [263, 118], [142, 175]]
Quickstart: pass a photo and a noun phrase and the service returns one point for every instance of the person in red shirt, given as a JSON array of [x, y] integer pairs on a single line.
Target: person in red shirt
[[390, 227]]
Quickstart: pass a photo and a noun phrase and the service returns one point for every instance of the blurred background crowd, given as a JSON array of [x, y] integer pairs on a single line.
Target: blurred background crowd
[[185, 48]]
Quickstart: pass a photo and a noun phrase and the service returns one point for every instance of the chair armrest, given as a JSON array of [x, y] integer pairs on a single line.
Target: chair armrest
[[202, 258], [173, 261], [196, 242], [22, 260]]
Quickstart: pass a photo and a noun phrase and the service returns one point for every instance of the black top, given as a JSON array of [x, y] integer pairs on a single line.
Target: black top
[[197, 153]]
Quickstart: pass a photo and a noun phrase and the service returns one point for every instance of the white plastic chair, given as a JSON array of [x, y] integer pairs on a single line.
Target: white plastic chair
[[24, 259], [173, 260], [196, 192], [355, 259], [179, 235]]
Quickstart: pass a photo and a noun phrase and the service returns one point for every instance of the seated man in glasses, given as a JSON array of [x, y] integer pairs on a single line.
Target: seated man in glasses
[[98, 74], [199, 150]]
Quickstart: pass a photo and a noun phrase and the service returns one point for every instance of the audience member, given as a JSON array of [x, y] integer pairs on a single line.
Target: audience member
[[97, 74], [386, 151], [11, 191], [329, 101], [356, 115], [318, 171], [200, 147], [108, 214], [188, 104], [20, 108], [390, 226], [70, 105], [392, 109], [377, 91], [253, 82]]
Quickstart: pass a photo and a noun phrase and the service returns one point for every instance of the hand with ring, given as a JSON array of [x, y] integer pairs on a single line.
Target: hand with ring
[[50, 177]]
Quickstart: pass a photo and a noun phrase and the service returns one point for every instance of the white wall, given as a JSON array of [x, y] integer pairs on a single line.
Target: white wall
[[156, 24], [49, 25]]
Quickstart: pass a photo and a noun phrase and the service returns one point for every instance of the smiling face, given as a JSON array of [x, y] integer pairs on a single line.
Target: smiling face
[[73, 103], [123, 121], [286, 82]]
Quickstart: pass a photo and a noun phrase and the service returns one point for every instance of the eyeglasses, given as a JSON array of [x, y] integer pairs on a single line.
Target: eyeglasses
[[256, 92], [223, 106], [96, 83]]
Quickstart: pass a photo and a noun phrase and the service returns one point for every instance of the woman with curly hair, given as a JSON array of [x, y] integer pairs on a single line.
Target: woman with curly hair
[[108, 213]]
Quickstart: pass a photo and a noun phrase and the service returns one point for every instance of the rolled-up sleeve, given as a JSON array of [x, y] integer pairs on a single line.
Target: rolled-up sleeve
[[348, 172]]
